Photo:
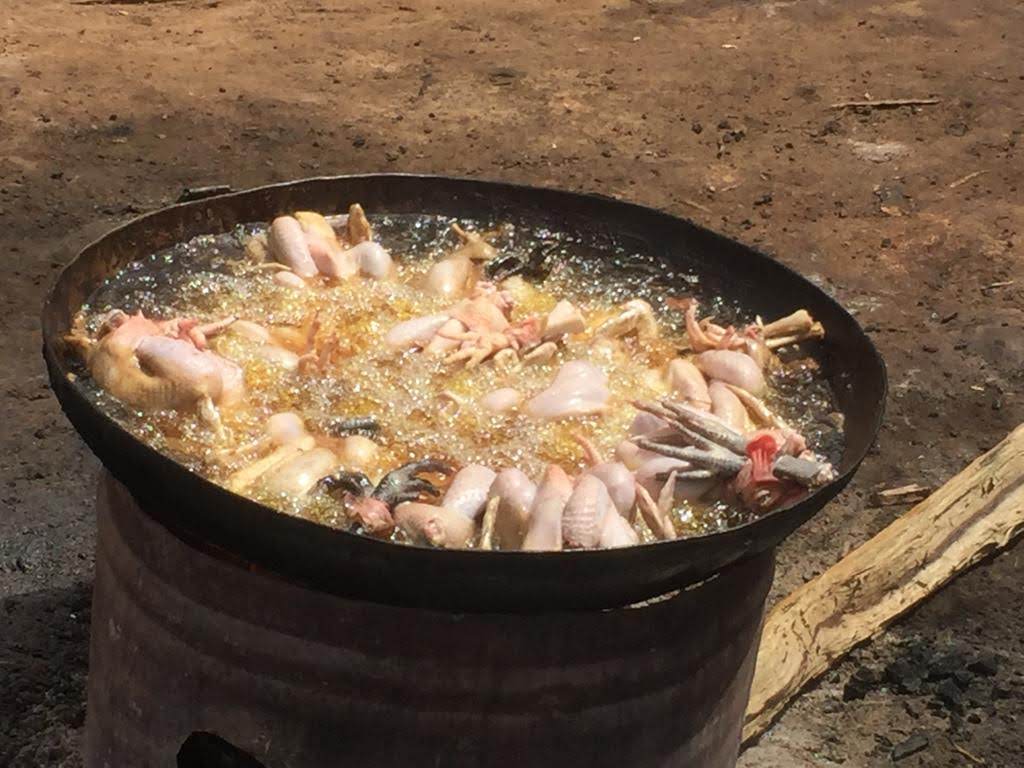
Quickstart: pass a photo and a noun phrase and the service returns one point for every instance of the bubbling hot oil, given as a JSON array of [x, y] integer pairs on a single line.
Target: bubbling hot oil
[[426, 408]]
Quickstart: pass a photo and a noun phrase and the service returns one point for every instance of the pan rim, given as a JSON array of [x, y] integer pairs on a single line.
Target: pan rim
[[57, 360]]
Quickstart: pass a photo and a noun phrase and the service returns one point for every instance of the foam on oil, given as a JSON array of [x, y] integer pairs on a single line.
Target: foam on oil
[[426, 408]]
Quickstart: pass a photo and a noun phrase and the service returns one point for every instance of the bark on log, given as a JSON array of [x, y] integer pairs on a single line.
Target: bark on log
[[977, 513]]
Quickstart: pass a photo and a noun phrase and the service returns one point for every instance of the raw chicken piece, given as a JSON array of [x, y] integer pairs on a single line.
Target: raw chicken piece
[[436, 526], [687, 380], [545, 528], [732, 368], [727, 406], [564, 319], [288, 245], [619, 482], [617, 532], [501, 400], [516, 494], [417, 332], [468, 492], [584, 517], [579, 388]]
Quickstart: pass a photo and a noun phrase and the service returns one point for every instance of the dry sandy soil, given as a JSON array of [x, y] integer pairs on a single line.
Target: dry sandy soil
[[719, 110]]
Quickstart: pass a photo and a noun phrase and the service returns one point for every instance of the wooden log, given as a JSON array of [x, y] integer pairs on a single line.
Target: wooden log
[[977, 513]]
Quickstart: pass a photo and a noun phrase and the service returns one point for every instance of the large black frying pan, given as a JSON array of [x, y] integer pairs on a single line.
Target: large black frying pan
[[366, 568]]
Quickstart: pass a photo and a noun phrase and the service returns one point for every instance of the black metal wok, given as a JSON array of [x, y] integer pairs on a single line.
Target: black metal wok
[[366, 568]]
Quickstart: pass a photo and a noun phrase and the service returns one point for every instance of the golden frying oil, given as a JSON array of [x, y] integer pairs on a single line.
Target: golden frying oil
[[426, 408]]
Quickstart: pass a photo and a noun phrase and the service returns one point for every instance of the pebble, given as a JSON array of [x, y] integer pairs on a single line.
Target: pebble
[[1000, 692], [831, 706], [879, 152], [910, 746], [861, 682], [904, 676], [831, 127], [913, 708], [945, 666], [957, 128], [986, 665], [963, 678], [949, 693]]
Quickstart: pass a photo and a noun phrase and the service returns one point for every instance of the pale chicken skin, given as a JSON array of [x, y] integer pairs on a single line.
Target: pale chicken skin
[[443, 402]]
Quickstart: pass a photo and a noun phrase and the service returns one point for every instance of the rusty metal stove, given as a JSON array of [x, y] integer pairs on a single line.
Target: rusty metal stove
[[185, 639]]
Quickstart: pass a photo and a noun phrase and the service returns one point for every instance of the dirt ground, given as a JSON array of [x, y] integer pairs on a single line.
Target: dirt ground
[[719, 110]]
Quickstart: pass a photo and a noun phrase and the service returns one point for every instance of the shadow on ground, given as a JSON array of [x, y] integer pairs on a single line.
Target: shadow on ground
[[44, 647]]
